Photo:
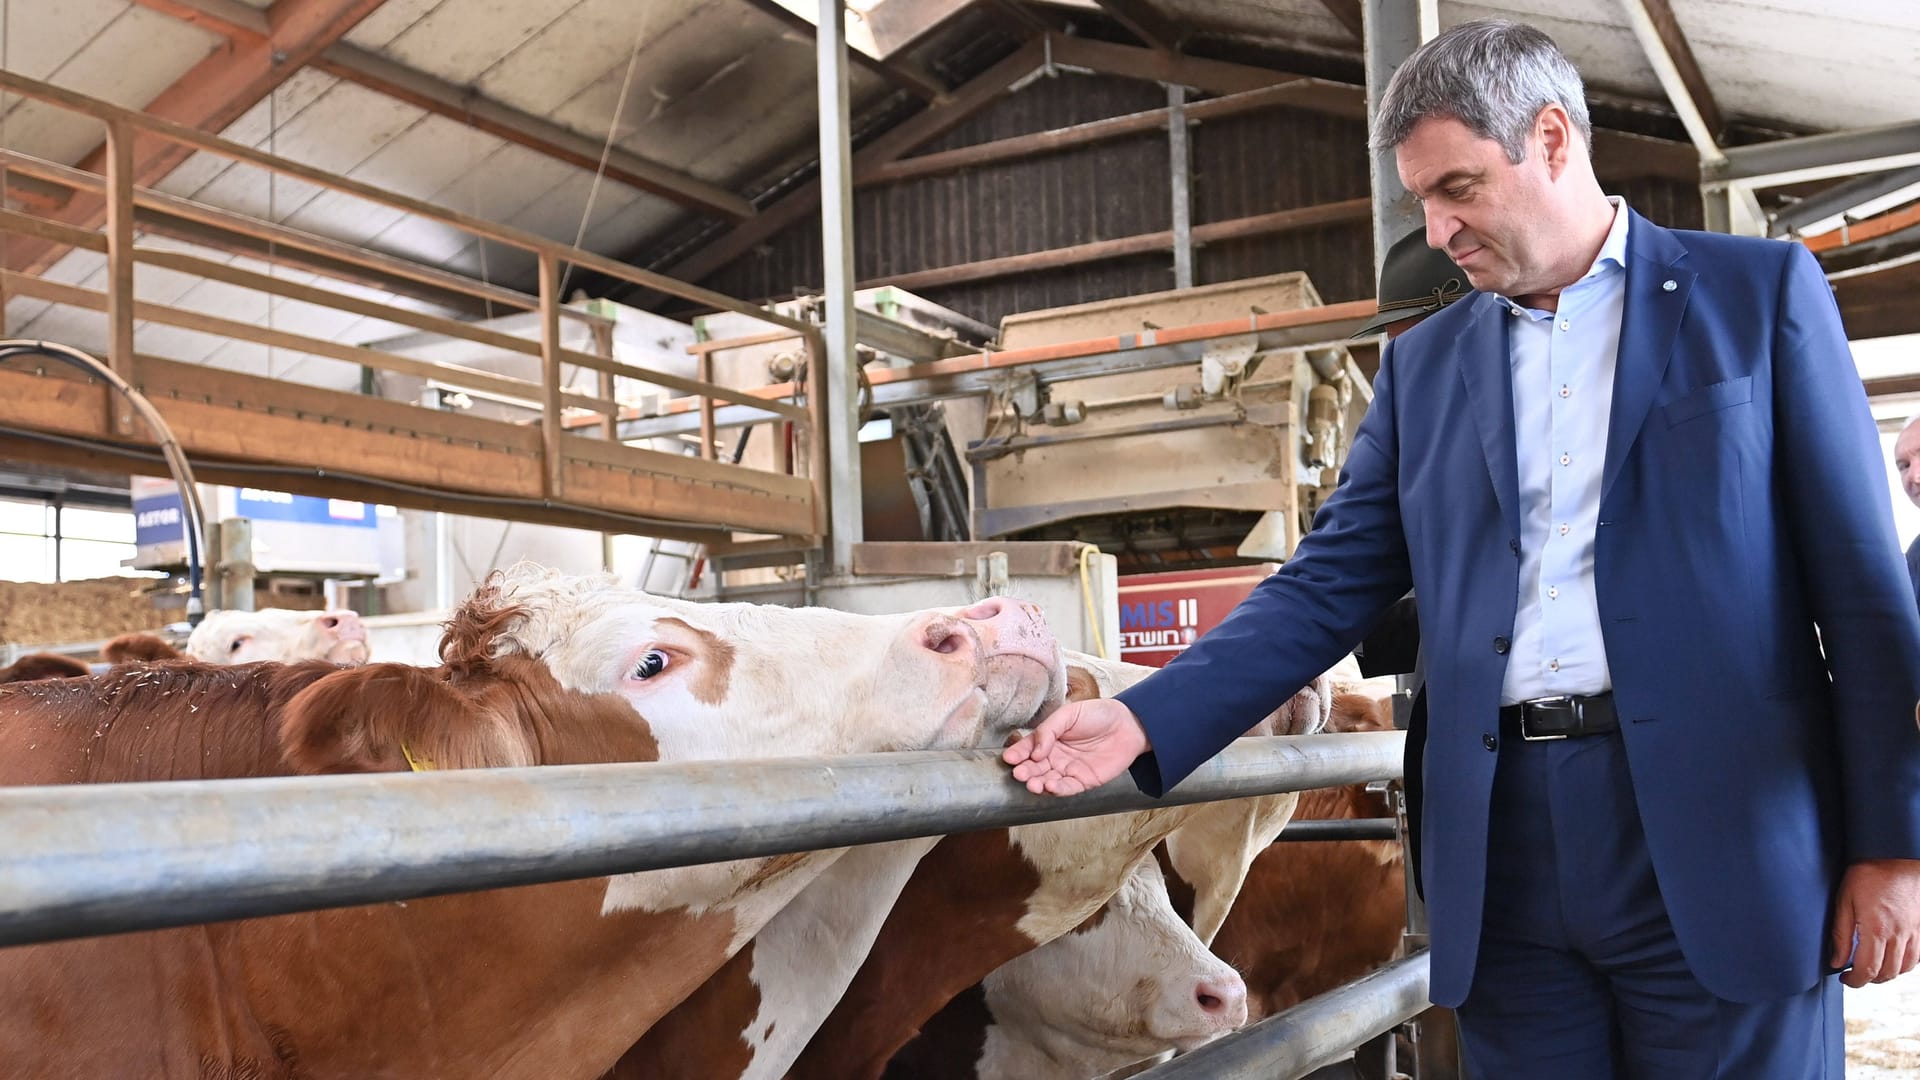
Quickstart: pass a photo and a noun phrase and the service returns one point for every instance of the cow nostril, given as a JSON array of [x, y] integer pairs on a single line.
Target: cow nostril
[[986, 609], [330, 622], [944, 637], [1209, 1003]]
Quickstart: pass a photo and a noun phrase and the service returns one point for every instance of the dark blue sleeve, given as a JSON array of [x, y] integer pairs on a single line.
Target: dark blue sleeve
[[1828, 451], [1296, 624]]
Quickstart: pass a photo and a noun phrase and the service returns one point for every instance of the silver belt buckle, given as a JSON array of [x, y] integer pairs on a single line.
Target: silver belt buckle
[[1526, 736]]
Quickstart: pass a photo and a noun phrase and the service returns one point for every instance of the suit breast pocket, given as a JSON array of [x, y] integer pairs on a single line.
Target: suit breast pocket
[[1708, 399]]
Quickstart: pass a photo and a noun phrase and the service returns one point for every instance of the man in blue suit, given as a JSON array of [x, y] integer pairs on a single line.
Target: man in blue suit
[[1671, 763]]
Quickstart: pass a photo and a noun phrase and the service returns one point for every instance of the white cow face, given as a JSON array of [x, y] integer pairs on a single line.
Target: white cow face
[[242, 637], [746, 680], [1129, 986]]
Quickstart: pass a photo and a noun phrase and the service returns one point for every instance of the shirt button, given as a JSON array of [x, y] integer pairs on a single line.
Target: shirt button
[[1566, 392], [1500, 645], [1489, 741], [1563, 528], [1566, 324], [1553, 664], [1553, 592], [1566, 459]]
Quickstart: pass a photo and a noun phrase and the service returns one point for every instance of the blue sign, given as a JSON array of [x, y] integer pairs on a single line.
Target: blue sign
[[262, 505], [159, 519]]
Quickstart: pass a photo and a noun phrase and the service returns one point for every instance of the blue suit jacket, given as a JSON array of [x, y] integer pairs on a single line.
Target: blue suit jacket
[[1742, 506]]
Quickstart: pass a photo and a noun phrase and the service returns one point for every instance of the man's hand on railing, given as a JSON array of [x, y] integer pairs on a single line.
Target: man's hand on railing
[[1080, 747]]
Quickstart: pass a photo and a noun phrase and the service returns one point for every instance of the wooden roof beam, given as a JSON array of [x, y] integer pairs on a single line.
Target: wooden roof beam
[[1673, 63], [917, 130], [1146, 22], [903, 24], [423, 91], [362, 68], [1347, 13], [211, 95]]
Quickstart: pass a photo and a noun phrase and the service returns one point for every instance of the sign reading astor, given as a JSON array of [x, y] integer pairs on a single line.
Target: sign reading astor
[[1162, 614]]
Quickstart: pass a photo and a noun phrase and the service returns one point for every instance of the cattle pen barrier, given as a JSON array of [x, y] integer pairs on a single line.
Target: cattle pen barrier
[[81, 860]]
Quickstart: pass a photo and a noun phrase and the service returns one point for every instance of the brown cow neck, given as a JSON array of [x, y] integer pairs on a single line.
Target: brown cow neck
[[957, 919], [700, 1038]]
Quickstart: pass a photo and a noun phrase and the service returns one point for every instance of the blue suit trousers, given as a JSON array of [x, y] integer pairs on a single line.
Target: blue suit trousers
[[1580, 975]]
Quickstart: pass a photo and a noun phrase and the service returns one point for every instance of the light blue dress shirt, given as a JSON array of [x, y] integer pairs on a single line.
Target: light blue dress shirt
[[1563, 364]]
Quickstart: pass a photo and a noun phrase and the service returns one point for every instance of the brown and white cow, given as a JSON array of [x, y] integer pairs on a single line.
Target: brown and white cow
[[1125, 986], [1315, 916], [43, 665], [144, 649], [543, 981], [1309, 917], [243, 637], [985, 897], [980, 899]]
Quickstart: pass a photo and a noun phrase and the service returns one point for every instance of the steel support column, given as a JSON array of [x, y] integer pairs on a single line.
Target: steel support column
[[1394, 28], [1823, 156], [1731, 208], [1844, 199], [1182, 177], [841, 384]]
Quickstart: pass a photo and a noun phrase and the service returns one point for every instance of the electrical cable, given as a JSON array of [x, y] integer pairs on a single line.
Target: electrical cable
[[170, 451]]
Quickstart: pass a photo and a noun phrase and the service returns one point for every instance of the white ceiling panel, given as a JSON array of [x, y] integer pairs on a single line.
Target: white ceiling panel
[[388, 21], [82, 329], [460, 39], [595, 39], [21, 311], [35, 46], [428, 157]]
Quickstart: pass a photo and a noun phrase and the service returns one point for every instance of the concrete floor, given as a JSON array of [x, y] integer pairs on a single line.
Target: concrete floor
[[1883, 1030]]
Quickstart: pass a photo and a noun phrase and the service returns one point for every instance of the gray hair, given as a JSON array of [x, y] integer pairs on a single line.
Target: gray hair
[[1492, 75]]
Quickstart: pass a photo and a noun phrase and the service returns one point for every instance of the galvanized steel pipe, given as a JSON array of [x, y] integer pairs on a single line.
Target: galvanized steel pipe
[[96, 859], [1340, 829], [1313, 1033]]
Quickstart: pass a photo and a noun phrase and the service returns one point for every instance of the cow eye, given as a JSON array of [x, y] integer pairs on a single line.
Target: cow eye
[[650, 665], [235, 647]]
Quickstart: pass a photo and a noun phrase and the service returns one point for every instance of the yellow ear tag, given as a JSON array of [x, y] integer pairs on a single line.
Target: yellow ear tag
[[416, 764]]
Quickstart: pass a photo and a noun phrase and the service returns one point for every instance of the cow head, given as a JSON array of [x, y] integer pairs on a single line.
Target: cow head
[[533, 649], [1129, 983], [747, 680], [241, 637]]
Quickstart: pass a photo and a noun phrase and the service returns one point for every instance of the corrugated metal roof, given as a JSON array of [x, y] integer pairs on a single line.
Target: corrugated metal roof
[[724, 91], [1796, 63]]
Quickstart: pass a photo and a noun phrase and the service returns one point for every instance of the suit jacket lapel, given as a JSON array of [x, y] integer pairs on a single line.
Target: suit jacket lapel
[[1656, 298], [1488, 371]]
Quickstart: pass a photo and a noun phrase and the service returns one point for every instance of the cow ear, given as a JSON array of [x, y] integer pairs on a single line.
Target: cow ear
[[1361, 712], [1081, 685], [375, 718], [137, 648], [1306, 713]]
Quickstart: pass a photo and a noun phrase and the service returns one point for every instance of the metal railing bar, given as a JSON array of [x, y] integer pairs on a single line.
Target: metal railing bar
[[95, 859]]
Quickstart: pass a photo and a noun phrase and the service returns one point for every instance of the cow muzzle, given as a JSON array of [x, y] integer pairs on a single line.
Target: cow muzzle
[[347, 636]]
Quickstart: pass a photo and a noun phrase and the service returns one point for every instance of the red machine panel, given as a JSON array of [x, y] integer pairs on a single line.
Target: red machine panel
[[1162, 614]]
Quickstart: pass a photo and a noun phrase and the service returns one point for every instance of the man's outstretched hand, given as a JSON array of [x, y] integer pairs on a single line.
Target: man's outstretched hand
[[1082, 745]]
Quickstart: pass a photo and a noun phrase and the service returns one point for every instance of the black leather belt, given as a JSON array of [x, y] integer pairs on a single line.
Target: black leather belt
[[1559, 718]]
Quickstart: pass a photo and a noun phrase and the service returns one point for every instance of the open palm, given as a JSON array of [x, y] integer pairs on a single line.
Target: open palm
[[1081, 746]]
